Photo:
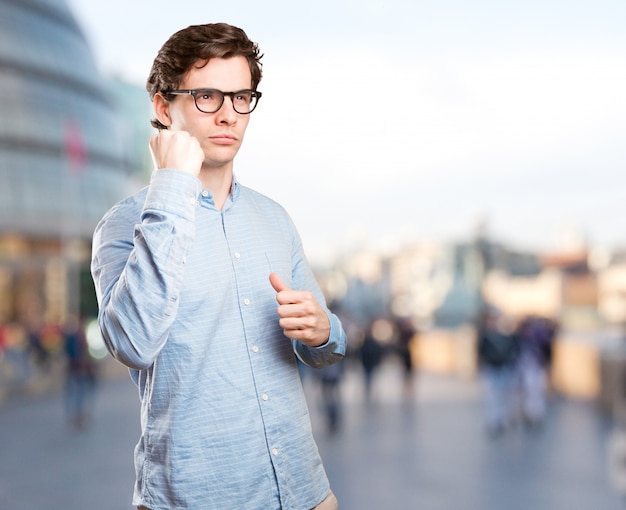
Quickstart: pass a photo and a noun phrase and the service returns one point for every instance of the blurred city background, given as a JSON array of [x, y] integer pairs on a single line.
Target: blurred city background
[[442, 163]]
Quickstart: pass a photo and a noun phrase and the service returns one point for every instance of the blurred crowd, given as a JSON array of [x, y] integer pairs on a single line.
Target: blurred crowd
[[370, 344], [50, 353], [514, 359]]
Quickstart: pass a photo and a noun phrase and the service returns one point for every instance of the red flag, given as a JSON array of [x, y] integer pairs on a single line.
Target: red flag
[[75, 149]]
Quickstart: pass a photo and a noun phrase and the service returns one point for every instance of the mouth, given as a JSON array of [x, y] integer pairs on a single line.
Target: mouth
[[223, 139]]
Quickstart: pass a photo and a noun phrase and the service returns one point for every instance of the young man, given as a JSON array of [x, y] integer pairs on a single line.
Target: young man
[[205, 293]]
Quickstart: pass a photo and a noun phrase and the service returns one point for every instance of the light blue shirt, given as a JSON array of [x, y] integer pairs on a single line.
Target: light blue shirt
[[186, 303]]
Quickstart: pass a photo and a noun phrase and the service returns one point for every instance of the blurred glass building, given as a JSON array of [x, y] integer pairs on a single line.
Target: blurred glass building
[[64, 160]]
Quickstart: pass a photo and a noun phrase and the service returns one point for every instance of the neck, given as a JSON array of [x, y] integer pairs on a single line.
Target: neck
[[218, 182]]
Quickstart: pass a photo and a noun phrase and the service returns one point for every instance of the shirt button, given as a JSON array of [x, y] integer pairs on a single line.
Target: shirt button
[[246, 301], [184, 261], [237, 255], [274, 451], [193, 200], [255, 348], [264, 397], [205, 193]]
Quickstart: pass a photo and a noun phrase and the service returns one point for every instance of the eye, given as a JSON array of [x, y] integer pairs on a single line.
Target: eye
[[244, 97], [206, 95]]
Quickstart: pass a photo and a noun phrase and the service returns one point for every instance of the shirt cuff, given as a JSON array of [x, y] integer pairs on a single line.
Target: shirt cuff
[[174, 192]]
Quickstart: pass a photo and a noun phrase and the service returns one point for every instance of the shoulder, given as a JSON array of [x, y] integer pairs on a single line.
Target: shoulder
[[267, 215], [263, 203], [256, 196], [128, 205], [126, 211]]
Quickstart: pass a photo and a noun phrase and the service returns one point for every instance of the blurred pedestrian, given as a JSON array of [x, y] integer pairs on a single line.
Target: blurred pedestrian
[[39, 355], [330, 378], [80, 378], [371, 354], [4, 340], [17, 352], [536, 336], [405, 341], [498, 351], [205, 293]]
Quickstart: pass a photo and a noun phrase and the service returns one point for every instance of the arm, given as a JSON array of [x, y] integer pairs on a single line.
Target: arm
[[138, 266], [317, 334], [139, 254]]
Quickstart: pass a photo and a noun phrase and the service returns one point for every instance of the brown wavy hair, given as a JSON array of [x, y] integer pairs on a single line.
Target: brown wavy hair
[[195, 46]]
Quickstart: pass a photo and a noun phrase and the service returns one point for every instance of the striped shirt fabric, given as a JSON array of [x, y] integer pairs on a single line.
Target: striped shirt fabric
[[186, 303]]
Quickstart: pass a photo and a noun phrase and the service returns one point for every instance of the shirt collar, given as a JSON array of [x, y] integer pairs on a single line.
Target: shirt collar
[[233, 195], [234, 189]]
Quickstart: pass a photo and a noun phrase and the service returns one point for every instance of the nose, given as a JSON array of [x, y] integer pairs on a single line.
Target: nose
[[227, 114]]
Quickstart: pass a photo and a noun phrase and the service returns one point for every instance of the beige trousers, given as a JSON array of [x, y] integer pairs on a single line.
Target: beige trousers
[[330, 503]]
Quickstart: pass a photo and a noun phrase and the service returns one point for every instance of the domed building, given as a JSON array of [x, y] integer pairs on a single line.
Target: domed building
[[63, 162]]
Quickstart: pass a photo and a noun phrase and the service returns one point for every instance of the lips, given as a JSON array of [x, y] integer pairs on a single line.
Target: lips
[[223, 139]]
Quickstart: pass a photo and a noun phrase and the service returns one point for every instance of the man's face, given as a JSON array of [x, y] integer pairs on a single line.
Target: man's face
[[221, 133]]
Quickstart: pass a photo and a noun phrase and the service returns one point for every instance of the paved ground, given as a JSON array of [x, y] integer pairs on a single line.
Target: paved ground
[[428, 452]]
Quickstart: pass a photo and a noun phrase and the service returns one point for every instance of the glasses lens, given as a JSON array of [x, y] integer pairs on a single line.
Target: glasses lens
[[209, 100], [244, 101]]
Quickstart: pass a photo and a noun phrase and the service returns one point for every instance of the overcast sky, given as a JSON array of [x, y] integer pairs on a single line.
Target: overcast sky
[[386, 122]]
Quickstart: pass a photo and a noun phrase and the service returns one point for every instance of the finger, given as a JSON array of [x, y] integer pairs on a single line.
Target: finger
[[277, 283], [290, 309]]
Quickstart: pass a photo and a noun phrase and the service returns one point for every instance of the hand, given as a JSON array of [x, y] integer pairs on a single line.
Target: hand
[[177, 150], [301, 316]]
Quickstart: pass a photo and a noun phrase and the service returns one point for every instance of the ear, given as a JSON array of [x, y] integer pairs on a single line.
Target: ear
[[162, 110]]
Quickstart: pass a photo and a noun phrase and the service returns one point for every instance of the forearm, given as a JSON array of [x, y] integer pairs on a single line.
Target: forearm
[[334, 348]]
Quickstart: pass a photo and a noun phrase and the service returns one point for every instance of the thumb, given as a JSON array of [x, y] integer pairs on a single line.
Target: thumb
[[278, 284]]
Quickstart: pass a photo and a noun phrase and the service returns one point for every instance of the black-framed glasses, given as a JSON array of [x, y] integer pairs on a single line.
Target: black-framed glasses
[[211, 100]]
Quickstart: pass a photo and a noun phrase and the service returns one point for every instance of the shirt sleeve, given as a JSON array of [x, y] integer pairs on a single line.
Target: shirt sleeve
[[303, 278], [138, 266]]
